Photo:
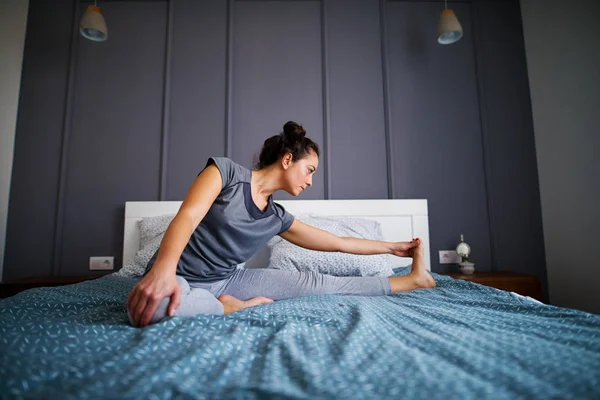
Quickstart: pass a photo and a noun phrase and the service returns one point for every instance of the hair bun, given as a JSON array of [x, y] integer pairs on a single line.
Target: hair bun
[[293, 128]]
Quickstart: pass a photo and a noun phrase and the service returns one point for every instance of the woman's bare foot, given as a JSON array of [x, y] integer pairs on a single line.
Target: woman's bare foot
[[422, 277], [419, 278], [231, 304]]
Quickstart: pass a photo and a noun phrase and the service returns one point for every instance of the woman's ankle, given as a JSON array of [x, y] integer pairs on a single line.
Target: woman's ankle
[[423, 279]]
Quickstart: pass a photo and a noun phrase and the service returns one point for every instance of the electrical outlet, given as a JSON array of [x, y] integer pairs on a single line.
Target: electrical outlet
[[102, 263], [449, 257]]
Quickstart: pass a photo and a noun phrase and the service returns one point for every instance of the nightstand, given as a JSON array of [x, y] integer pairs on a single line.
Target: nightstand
[[526, 285], [10, 288]]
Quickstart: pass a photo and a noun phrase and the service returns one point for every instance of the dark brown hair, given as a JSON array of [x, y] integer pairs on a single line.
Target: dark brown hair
[[292, 140]]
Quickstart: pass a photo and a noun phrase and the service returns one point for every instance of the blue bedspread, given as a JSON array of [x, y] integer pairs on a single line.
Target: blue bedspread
[[459, 340]]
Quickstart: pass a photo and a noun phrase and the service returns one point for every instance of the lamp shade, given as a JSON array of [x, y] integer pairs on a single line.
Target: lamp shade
[[449, 29], [92, 25]]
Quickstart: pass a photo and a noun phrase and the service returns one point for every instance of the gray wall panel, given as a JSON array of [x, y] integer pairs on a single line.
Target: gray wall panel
[[115, 140], [197, 101], [34, 183], [357, 127], [437, 143], [276, 77]]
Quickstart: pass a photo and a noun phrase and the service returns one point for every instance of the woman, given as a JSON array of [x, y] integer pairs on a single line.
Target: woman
[[228, 215]]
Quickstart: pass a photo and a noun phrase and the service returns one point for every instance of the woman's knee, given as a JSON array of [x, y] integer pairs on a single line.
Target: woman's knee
[[162, 308], [161, 312], [159, 315]]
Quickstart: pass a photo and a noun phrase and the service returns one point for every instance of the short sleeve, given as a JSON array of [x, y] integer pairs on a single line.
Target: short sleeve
[[287, 219], [226, 168]]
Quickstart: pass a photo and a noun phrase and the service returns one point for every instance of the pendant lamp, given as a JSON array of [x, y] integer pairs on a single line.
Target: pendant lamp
[[93, 25], [449, 29]]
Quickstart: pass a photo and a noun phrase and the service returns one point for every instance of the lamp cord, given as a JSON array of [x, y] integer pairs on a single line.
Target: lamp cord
[[446, 4]]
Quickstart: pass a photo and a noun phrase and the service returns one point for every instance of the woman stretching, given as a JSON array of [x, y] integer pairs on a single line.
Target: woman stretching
[[229, 214]]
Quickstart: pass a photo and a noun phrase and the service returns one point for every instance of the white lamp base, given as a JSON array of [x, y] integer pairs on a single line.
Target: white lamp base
[[466, 267]]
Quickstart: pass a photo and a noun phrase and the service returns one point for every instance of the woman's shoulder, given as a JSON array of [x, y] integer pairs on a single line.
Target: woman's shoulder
[[224, 160], [231, 171]]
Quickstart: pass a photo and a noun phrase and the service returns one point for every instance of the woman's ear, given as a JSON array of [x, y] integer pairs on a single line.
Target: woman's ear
[[286, 160]]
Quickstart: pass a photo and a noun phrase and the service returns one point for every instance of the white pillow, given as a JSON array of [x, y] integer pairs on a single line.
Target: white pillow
[[152, 230], [153, 227], [281, 254]]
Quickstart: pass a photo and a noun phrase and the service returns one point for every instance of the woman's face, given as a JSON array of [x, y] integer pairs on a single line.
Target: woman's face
[[299, 174]]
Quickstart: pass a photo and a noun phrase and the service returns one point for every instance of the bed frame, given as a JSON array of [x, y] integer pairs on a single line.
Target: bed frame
[[401, 220]]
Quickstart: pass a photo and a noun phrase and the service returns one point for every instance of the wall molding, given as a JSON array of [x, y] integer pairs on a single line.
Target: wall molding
[[483, 120], [387, 111], [325, 101], [229, 81], [164, 143], [65, 142]]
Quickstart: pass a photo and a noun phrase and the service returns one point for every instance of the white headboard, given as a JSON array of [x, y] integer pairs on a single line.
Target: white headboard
[[401, 220]]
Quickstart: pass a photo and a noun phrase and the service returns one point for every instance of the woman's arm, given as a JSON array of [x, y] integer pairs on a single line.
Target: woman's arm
[[312, 238], [161, 281], [194, 207]]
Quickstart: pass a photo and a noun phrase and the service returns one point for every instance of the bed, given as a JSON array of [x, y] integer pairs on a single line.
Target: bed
[[459, 340]]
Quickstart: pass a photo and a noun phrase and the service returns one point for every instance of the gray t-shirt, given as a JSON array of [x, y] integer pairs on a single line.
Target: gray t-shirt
[[233, 229]]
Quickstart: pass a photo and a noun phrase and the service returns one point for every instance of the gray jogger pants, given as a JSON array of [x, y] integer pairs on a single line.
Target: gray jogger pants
[[201, 298]]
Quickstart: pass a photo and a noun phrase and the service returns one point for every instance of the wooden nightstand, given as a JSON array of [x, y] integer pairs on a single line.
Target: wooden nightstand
[[526, 285], [10, 288]]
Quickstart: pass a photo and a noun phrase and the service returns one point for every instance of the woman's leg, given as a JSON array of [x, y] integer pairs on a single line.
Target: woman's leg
[[278, 285], [194, 301]]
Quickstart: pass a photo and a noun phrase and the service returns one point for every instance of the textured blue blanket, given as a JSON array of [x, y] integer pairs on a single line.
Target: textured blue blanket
[[459, 340]]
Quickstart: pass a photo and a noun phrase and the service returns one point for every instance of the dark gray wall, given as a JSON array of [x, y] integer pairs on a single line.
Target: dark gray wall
[[196, 95], [565, 101], [356, 155], [116, 126], [276, 76], [32, 206], [396, 115], [508, 140]]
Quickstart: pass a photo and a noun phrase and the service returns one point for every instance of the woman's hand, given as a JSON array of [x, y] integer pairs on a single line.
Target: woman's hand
[[404, 249], [148, 293]]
